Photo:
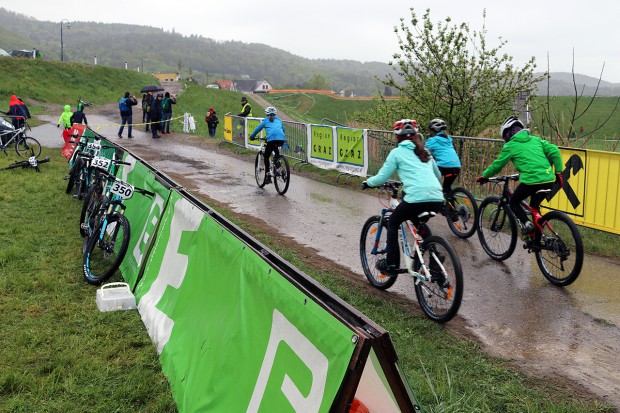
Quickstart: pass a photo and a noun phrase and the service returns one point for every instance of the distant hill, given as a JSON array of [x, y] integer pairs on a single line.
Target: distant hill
[[561, 84], [202, 58]]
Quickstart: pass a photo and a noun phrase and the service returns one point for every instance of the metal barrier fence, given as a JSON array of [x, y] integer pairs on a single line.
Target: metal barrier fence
[[297, 137]]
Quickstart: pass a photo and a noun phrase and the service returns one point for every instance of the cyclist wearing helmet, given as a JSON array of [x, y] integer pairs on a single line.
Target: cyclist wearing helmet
[[530, 156], [420, 176], [246, 108], [439, 144], [274, 129]]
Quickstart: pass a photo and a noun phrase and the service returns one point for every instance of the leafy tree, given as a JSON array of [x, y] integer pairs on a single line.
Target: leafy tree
[[318, 82], [447, 70]]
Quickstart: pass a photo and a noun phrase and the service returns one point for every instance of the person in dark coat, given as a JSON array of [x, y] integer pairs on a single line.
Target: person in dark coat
[[127, 114], [18, 111], [212, 122], [79, 116], [157, 111]]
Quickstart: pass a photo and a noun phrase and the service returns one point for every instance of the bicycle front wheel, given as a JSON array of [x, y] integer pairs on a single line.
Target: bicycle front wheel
[[106, 251], [440, 296], [282, 174], [497, 228], [559, 249], [74, 175], [259, 169], [462, 212], [27, 147], [92, 203], [368, 238]]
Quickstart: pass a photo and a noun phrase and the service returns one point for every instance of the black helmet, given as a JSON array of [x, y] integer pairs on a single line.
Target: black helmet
[[244, 99], [437, 125], [510, 126]]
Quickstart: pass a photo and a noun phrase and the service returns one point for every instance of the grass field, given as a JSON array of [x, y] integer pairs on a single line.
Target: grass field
[[60, 354]]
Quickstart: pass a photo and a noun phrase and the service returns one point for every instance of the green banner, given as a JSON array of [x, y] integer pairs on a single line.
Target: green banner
[[350, 144], [234, 334], [322, 142], [252, 123], [143, 213]]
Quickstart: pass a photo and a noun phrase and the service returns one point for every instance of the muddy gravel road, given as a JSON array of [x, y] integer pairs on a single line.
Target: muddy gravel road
[[569, 334]]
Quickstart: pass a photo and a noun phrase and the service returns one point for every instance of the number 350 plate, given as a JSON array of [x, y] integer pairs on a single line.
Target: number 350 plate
[[122, 189]]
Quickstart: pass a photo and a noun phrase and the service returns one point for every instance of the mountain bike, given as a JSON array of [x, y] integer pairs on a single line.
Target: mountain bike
[[31, 162], [279, 169], [107, 244], [80, 173], [432, 263], [95, 194], [25, 146], [556, 241], [461, 212]]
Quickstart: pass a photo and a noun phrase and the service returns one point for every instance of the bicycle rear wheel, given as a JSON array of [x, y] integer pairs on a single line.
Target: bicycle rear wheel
[[461, 212], [441, 296], [497, 228], [259, 169], [27, 147], [74, 174], [559, 249], [282, 174], [92, 204], [368, 238], [104, 254]]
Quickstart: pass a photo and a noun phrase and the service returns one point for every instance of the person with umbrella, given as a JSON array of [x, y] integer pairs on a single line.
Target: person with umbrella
[[156, 114], [124, 106]]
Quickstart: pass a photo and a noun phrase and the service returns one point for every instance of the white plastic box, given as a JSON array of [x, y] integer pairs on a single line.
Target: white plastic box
[[115, 296]]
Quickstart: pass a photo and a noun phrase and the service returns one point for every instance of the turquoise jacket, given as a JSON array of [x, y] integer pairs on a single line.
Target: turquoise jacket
[[274, 130], [529, 154], [420, 179], [442, 149]]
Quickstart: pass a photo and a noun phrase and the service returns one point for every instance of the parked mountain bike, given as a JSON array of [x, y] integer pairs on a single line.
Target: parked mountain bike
[[96, 191], [432, 263], [80, 173], [25, 146], [107, 244], [556, 242], [461, 211], [279, 169]]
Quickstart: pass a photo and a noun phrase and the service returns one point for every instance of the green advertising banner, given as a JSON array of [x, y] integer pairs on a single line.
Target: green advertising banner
[[252, 123], [233, 333], [351, 151], [143, 213], [322, 146]]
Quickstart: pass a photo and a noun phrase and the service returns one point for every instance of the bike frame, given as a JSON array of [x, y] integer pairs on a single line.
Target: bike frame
[[535, 213]]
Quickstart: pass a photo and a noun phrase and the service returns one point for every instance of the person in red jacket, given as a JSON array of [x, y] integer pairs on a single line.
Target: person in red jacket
[[18, 111]]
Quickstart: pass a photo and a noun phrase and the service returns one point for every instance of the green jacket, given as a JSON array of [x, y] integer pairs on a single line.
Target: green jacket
[[529, 154], [65, 117]]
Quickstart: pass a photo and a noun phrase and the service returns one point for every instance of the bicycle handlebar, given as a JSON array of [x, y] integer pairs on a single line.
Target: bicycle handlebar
[[505, 178]]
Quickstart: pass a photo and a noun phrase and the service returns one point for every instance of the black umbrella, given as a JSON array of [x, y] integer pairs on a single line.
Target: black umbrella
[[152, 88]]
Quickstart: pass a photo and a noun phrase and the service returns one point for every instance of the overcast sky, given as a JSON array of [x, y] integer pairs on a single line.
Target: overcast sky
[[363, 30]]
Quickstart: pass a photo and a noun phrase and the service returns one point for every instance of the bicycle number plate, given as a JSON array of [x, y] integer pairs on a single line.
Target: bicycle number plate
[[101, 163], [92, 146], [33, 161], [122, 189]]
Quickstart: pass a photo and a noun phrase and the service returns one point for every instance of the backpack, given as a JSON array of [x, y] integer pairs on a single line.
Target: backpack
[[122, 105]]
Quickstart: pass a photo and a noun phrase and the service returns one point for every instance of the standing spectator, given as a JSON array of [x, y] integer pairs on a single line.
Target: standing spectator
[[246, 108], [212, 122], [156, 115], [167, 115], [18, 111], [124, 106], [79, 116], [65, 118], [148, 101], [144, 106]]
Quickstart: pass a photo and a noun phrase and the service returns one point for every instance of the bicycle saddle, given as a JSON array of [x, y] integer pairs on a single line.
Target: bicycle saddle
[[426, 215]]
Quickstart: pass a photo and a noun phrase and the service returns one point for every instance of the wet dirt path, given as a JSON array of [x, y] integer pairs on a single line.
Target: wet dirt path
[[512, 310]]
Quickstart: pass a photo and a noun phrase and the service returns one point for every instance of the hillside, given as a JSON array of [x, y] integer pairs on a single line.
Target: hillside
[[204, 58]]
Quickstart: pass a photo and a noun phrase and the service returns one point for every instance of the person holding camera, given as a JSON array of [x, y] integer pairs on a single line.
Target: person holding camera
[[167, 103], [124, 106]]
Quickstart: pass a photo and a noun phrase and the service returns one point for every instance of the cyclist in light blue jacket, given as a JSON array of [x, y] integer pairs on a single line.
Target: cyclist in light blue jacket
[[439, 144], [420, 176], [274, 129]]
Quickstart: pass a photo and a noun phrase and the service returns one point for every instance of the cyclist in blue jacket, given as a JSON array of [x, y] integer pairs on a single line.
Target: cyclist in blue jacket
[[420, 177], [439, 144], [274, 129]]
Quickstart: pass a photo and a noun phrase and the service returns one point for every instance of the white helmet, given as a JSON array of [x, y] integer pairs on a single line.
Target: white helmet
[[270, 111], [507, 130]]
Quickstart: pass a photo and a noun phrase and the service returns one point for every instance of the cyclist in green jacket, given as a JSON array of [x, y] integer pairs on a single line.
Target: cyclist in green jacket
[[530, 156]]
